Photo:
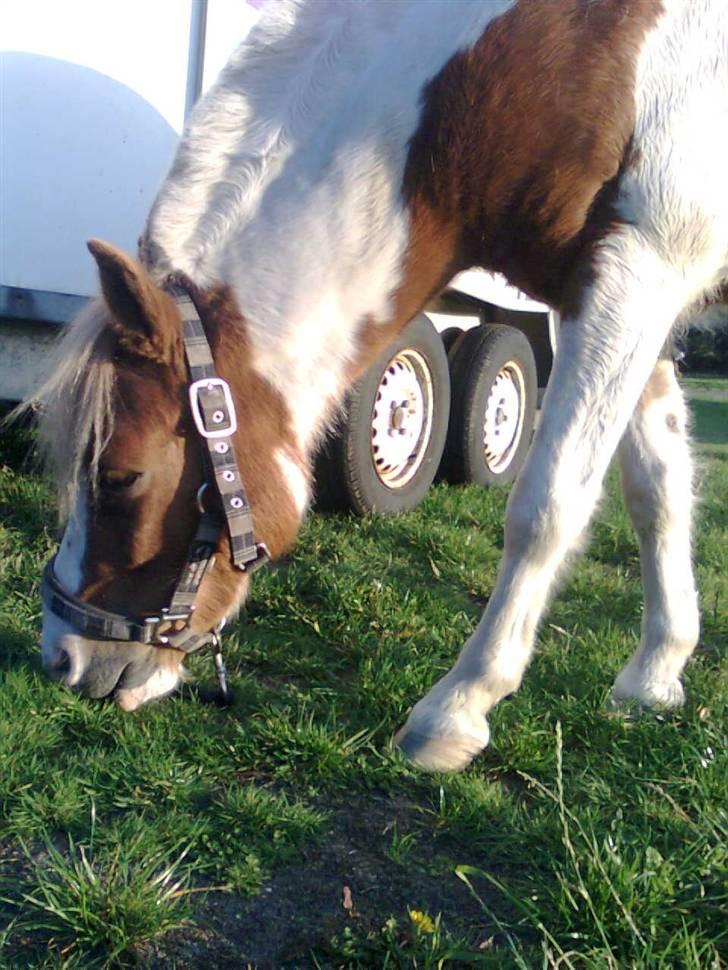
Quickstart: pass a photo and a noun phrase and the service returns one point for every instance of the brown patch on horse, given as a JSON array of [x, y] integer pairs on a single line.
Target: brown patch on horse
[[137, 539], [517, 160], [522, 139]]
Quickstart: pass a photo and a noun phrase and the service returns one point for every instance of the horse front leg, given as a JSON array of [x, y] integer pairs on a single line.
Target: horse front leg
[[657, 482], [605, 356]]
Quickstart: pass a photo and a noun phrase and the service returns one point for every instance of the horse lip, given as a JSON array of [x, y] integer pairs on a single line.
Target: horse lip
[[121, 682], [108, 692]]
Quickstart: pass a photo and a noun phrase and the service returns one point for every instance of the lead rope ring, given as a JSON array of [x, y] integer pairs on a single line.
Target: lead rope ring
[[220, 668]]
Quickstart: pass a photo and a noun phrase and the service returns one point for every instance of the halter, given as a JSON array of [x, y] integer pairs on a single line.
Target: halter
[[213, 412]]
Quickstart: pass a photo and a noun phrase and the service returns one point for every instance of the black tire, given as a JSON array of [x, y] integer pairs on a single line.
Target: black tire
[[489, 436], [449, 338], [353, 471]]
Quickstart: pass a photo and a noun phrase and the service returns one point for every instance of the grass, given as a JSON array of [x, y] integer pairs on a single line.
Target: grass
[[708, 396], [283, 832], [97, 910]]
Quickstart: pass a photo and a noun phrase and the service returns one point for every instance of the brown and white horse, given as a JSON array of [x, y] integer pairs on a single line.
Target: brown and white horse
[[352, 157]]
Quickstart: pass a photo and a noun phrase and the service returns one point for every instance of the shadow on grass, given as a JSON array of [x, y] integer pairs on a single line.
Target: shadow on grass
[[16, 649], [24, 506], [17, 439], [711, 422]]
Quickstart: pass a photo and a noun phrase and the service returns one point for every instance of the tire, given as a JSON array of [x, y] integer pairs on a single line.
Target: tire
[[449, 338], [387, 449], [493, 412]]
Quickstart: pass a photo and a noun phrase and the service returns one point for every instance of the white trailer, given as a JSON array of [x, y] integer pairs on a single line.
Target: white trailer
[[91, 107]]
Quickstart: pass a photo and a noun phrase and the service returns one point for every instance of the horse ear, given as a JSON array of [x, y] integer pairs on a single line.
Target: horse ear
[[140, 314]]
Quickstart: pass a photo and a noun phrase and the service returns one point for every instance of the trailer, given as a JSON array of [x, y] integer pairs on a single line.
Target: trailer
[[92, 109]]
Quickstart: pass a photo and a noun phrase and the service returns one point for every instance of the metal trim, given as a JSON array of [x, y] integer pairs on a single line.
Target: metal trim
[[39, 306], [196, 56]]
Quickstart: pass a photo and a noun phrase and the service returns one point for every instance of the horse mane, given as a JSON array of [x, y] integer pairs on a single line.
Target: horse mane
[[282, 86], [75, 404]]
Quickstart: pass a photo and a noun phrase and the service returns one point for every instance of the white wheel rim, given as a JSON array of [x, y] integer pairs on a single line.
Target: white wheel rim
[[504, 413], [402, 419]]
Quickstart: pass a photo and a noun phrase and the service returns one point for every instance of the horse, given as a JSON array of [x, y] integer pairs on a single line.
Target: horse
[[348, 162]]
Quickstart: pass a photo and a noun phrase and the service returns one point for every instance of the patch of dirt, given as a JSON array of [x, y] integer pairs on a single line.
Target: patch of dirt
[[345, 879]]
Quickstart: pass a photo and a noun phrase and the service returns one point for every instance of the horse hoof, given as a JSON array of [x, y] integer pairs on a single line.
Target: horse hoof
[[652, 696], [444, 752]]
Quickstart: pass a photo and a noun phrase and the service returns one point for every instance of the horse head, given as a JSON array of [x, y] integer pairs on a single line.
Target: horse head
[[133, 588]]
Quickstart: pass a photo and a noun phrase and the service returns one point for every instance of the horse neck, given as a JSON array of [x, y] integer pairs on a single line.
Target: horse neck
[[287, 187], [313, 291], [303, 340]]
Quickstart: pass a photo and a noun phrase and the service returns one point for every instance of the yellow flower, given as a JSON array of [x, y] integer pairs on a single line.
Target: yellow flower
[[422, 921]]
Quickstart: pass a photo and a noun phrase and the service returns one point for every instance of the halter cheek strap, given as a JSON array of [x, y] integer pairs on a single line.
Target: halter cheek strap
[[213, 412]]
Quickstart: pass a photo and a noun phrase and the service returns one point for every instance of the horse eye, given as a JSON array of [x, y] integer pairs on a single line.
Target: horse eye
[[113, 481]]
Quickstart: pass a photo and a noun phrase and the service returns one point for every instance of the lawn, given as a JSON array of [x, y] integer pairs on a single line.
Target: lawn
[[283, 832]]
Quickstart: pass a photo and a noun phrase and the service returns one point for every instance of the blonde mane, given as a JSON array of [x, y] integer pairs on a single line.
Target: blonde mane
[[75, 404]]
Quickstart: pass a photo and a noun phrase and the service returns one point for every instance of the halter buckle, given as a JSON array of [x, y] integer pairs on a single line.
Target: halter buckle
[[262, 556], [227, 411]]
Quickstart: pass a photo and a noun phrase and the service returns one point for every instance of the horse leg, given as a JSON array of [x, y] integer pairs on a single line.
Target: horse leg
[[605, 357], [657, 481]]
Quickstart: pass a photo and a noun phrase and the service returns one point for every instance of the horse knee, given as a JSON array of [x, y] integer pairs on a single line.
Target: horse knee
[[643, 498], [529, 520], [538, 522]]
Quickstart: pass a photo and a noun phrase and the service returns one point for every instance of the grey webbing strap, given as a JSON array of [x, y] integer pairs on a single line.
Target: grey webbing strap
[[100, 624], [214, 414], [199, 555], [92, 620]]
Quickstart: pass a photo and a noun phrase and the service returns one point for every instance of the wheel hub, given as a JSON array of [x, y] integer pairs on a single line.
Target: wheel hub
[[503, 421], [402, 418], [399, 417]]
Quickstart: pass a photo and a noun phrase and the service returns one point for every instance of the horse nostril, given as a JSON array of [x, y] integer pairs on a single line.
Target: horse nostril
[[60, 666]]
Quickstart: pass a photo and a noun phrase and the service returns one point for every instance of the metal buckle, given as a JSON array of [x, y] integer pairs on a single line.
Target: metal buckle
[[261, 558], [169, 617], [151, 624], [207, 383]]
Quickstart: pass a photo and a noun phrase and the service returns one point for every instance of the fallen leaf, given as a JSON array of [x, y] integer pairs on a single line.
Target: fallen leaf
[[347, 902]]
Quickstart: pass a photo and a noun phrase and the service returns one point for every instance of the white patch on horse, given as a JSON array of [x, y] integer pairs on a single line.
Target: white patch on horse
[[68, 568], [286, 185], [69, 560], [295, 480]]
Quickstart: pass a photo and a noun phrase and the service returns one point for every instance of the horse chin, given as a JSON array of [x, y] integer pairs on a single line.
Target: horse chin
[[162, 682]]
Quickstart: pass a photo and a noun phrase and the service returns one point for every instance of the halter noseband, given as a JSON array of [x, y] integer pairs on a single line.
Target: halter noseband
[[213, 412]]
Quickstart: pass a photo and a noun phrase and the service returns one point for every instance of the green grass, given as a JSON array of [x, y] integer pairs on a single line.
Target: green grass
[[708, 397], [282, 831]]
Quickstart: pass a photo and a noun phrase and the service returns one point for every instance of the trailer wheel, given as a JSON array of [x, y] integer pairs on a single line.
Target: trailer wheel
[[449, 338], [493, 411], [387, 449]]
